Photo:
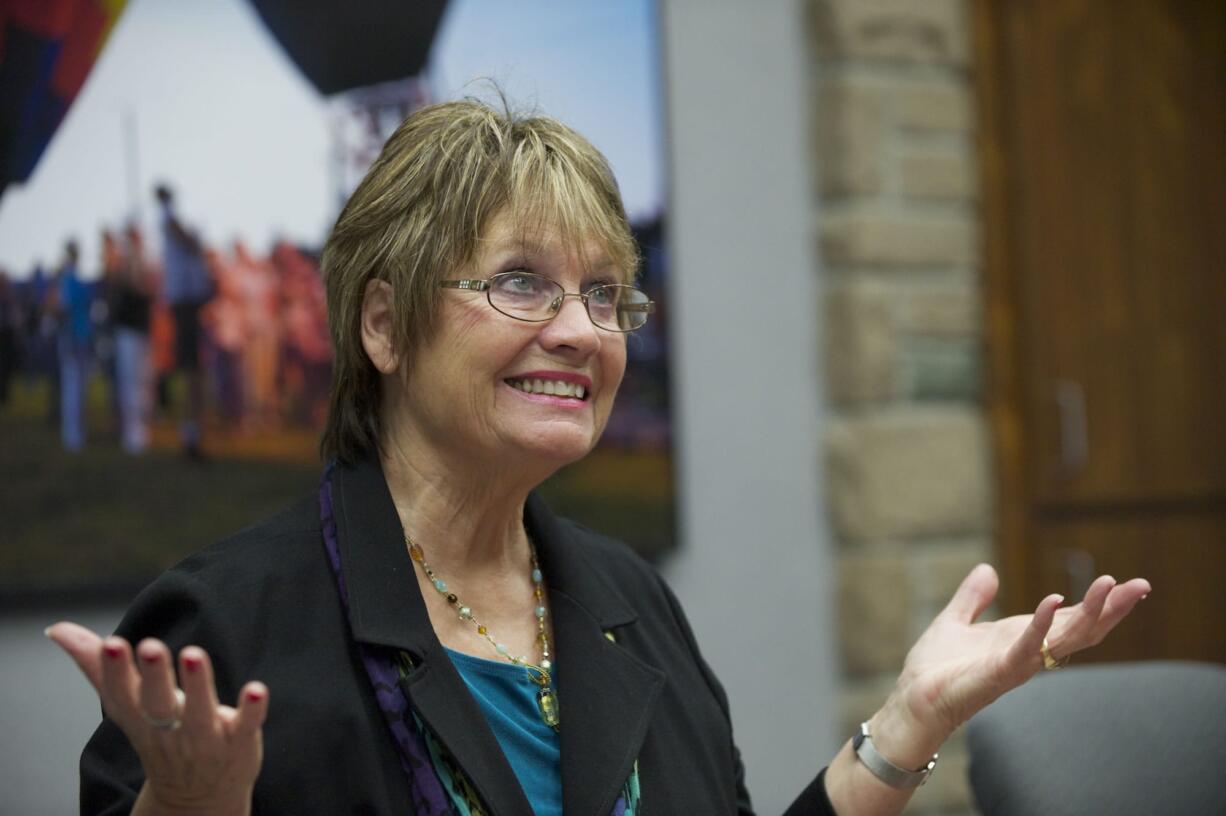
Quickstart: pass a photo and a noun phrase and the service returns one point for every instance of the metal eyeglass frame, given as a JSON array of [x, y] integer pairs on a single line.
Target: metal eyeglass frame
[[478, 285]]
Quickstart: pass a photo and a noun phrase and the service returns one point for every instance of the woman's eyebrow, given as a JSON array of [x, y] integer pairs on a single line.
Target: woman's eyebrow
[[528, 250]]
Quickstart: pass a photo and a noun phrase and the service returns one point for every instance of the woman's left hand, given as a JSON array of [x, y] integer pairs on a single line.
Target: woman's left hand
[[958, 666]]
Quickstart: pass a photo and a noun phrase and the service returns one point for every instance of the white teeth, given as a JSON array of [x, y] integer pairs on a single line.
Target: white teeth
[[556, 388]]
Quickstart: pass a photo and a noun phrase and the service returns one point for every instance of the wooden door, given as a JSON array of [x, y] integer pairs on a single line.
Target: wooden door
[[1103, 128]]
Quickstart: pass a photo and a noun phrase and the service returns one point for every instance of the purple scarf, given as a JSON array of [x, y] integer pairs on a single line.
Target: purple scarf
[[429, 797]]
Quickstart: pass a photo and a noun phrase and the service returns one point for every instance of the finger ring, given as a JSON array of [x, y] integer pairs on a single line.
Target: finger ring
[[170, 723], [1050, 663]]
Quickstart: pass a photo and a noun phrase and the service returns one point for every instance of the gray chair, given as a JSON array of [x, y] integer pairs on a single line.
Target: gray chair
[[1122, 739]]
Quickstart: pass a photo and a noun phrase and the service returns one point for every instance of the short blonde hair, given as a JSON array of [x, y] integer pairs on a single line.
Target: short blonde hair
[[419, 216]]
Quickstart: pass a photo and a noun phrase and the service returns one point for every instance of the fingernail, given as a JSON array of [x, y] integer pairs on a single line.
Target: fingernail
[[47, 632], [112, 649], [1059, 600], [254, 695], [150, 657], [192, 663]]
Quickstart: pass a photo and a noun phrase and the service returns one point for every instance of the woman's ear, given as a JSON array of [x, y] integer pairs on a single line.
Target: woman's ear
[[378, 326]]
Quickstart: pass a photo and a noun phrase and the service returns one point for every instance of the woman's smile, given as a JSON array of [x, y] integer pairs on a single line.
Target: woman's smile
[[564, 389]]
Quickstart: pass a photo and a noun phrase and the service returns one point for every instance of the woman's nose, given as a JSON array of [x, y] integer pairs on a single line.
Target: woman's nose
[[571, 325]]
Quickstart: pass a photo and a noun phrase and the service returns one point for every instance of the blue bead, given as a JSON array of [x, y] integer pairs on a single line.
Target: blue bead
[[440, 584], [540, 611], [536, 576]]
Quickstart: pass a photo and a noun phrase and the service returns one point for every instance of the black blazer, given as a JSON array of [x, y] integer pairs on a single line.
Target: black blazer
[[264, 604]]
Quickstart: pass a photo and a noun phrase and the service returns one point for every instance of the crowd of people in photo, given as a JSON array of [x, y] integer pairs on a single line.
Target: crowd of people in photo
[[245, 334]]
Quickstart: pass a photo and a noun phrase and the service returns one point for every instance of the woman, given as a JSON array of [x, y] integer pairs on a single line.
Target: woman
[[430, 639]]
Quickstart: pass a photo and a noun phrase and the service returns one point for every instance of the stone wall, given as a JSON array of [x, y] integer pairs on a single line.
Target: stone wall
[[905, 448]]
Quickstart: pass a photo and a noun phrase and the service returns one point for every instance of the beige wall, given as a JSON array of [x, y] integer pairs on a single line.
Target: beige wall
[[754, 569], [905, 447]]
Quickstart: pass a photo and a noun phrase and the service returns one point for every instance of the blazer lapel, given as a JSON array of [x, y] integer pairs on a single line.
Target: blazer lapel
[[605, 694], [386, 609]]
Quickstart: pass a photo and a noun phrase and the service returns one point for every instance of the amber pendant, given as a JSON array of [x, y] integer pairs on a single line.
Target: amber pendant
[[547, 701]]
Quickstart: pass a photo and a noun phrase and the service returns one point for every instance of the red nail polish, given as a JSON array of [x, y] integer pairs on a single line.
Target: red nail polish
[[112, 650], [150, 658], [254, 696], [192, 663]]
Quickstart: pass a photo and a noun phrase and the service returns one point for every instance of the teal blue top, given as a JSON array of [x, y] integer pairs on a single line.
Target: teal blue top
[[507, 697]]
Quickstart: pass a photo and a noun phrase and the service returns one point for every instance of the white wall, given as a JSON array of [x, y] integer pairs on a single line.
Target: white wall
[[48, 711], [754, 569]]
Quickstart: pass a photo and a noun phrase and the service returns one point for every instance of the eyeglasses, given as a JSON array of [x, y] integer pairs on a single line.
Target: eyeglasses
[[536, 298]]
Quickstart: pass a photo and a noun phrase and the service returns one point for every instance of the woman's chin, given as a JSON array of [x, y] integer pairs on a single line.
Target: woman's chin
[[557, 446]]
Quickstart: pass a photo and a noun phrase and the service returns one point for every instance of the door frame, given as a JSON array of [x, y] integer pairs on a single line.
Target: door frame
[[1002, 292]]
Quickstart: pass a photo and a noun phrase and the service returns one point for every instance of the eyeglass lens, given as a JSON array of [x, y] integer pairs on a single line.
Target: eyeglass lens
[[528, 296]]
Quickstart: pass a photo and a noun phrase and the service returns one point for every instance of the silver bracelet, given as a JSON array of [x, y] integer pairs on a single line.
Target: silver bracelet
[[885, 770]]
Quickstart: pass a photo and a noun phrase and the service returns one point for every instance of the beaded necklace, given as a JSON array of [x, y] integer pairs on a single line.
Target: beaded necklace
[[546, 696]]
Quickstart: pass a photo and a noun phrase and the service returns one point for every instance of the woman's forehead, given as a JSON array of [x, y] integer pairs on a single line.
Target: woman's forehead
[[542, 241]]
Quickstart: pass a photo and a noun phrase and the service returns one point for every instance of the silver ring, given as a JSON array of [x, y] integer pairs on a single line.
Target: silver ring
[[171, 723]]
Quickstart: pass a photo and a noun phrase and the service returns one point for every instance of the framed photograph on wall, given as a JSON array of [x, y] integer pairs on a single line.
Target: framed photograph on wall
[[258, 128]]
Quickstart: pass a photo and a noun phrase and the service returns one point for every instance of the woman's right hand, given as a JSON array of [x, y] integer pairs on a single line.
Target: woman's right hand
[[199, 756]]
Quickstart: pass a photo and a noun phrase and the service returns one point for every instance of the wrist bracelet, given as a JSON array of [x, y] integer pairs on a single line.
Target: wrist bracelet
[[883, 769]]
